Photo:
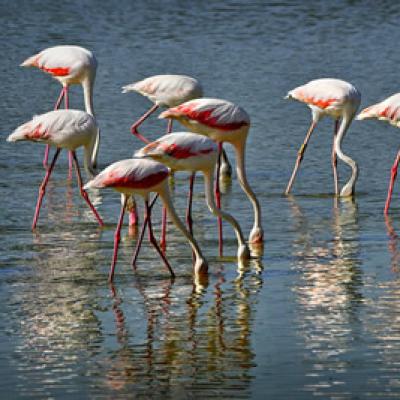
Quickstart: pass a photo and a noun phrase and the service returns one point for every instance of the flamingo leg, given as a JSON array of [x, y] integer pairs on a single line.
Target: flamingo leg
[[117, 239], [140, 239], [300, 156], [83, 192], [169, 126], [135, 126], [391, 184], [153, 240], [42, 189], [56, 107], [218, 199], [334, 160]]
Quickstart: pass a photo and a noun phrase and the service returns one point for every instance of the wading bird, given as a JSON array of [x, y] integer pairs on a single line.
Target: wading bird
[[337, 99], [64, 129], [184, 151], [142, 176], [70, 65], [387, 110], [222, 121]]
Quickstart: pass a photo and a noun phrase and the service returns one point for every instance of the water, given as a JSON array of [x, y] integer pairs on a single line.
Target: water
[[316, 316]]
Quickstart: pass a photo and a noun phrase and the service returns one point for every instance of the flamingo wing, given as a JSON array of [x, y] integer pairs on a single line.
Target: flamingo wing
[[387, 110]]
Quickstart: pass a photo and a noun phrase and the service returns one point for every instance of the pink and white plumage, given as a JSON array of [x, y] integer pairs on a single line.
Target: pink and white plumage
[[64, 129], [184, 151], [340, 100], [387, 110], [70, 65], [222, 121], [142, 176]]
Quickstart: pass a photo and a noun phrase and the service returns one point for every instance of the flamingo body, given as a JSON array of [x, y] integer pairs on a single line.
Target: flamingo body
[[68, 64], [167, 90]]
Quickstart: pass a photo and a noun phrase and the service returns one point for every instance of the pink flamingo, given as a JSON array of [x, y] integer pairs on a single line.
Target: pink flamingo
[[142, 176], [70, 65], [222, 121], [337, 99], [184, 151], [387, 110], [64, 129]]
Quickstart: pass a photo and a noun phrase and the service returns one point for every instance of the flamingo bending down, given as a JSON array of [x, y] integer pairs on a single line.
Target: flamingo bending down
[[222, 121], [142, 176], [70, 65], [184, 151], [387, 110], [339, 100], [64, 129]]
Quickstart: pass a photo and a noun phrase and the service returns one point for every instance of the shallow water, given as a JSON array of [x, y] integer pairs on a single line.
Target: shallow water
[[316, 316]]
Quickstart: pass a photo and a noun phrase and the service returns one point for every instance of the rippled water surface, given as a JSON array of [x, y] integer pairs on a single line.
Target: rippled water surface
[[317, 315]]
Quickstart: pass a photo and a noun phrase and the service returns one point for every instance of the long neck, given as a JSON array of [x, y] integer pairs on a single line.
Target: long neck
[[240, 148], [87, 86], [208, 189], [348, 188], [166, 198]]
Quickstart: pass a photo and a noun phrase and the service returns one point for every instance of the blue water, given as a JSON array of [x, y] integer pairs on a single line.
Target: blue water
[[316, 316]]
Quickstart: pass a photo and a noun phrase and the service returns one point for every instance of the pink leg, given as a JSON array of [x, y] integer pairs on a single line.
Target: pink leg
[[135, 126], [140, 239], [56, 107], [392, 179], [117, 239], [218, 200], [153, 240], [300, 155], [83, 192], [42, 189]]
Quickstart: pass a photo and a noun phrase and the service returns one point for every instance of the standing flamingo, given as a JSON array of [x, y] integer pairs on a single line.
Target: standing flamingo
[[387, 110], [142, 176], [222, 121], [339, 100], [69, 65], [184, 151], [64, 129]]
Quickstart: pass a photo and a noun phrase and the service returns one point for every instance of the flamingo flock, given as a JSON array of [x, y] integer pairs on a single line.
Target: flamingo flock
[[210, 122]]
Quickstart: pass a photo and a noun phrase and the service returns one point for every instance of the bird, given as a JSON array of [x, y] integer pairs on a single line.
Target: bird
[[337, 99], [387, 110], [222, 121], [186, 151], [64, 129], [70, 65], [142, 176]]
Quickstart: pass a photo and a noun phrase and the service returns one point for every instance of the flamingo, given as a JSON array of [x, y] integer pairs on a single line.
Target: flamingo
[[222, 121], [387, 110], [184, 151], [64, 129], [142, 176], [70, 65], [337, 99]]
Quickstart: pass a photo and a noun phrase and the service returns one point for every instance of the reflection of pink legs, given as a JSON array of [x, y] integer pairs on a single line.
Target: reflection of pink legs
[[42, 189], [136, 125], [117, 239], [391, 184], [218, 199], [83, 192]]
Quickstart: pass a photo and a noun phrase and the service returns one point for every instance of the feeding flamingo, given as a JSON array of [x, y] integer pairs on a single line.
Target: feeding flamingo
[[142, 176], [64, 129], [184, 151], [222, 121], [70, 65], [337, 99], [387, 110]]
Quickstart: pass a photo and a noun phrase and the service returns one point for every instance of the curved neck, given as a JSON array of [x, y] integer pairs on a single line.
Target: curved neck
[[166, 198], [87, 85], [208, 189], [348, 188], [240, 148]]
